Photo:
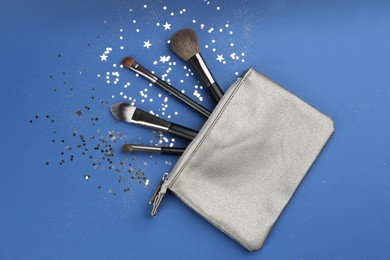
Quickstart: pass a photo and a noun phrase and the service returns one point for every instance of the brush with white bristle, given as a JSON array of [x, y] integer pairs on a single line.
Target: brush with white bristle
[[185, 44], [130, 114]]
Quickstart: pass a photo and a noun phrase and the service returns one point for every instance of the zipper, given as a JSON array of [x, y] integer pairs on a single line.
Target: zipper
[[168, 178]]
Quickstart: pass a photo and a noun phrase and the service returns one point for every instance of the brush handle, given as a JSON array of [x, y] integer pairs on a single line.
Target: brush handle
[[183, 97], [182, 131], [152, 149], [216, 91], [200, 68], [172, 151]]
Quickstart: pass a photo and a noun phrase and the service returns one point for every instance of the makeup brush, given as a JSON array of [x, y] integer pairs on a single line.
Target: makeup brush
[[185, 44], [130, 114], [152, 149], [132, 64]]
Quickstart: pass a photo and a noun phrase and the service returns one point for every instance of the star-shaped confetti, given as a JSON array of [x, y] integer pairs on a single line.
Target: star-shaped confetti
[[164, 58], [167, 26], [79, 112], [103, 57], [220, 58], [111, 134], [147, 44]]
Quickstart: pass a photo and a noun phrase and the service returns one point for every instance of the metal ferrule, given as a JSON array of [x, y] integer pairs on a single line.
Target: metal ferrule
[[141, 117], [143, 148], [200, 68], [151, 125], [143, 72]]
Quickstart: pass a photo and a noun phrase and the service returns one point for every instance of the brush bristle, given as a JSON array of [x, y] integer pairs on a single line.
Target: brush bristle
[[123, 111], [127, 62], [185, 43], [127, 148]]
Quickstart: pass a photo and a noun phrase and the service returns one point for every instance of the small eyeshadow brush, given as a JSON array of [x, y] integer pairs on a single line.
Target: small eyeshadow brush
[[133, 65], [152, 149], [130, 114], [185, 44]]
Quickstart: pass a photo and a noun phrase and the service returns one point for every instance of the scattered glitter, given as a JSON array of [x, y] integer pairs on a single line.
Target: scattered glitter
[[99, 147]]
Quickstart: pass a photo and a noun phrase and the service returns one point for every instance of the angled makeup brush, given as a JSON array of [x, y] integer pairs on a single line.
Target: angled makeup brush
[[152, 149], [130, 114], [132, 64], [185, 44]]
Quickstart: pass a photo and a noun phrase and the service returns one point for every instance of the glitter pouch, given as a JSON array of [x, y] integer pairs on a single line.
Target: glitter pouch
[[245, 164]]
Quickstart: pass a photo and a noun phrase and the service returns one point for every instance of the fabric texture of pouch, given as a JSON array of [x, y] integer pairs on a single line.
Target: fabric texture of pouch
[[244, 166]]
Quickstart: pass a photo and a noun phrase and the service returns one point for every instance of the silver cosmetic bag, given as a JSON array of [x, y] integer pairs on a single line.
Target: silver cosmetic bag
[[248, 159]]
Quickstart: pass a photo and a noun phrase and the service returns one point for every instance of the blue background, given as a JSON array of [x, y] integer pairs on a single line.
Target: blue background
[[333, 54]]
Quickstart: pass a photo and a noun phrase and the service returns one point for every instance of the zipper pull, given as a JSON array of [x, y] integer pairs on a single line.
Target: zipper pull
[[158, 195], [155, 193]]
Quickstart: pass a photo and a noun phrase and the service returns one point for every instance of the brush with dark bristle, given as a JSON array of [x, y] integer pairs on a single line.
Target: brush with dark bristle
[[185, 44], [130, 114], [127, 62], [133, 65], [152, 149]]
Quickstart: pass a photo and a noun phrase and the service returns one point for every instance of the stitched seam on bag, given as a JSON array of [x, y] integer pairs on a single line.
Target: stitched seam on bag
[[210, 128]]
